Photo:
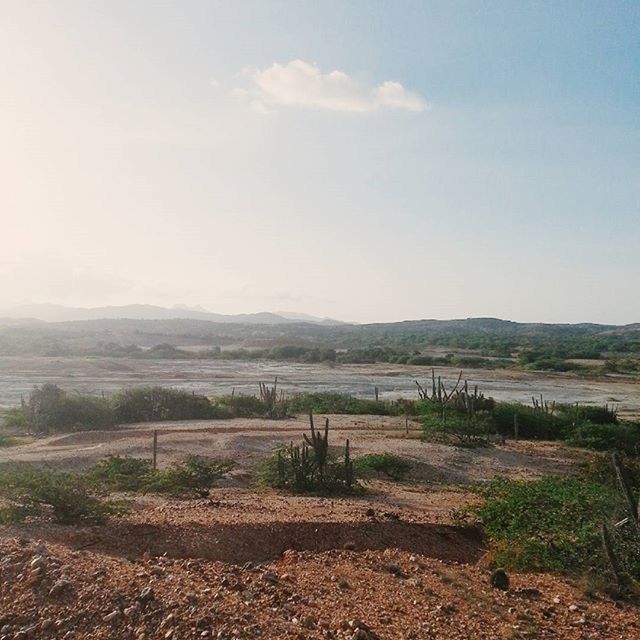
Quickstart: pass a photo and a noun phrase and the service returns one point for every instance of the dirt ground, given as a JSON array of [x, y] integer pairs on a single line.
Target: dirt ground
[[248, 441], [253, 563]]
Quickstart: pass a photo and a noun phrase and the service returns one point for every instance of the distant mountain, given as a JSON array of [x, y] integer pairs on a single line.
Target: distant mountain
[[305, 317], [60, 313]]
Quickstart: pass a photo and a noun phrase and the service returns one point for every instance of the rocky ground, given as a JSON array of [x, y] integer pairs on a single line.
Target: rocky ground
[[249, 563], [49, 590]]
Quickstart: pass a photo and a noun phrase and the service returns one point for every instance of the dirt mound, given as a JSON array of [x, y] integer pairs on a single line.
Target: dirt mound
[[260, 542]]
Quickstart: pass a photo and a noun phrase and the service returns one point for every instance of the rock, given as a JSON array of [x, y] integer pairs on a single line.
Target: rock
[[360, 634], [573, 608], [36, 562], [393, 569], [370, 513], [269, 576], [349, 546], [59, 587], [146, 595], [499, 580], [111, 617]]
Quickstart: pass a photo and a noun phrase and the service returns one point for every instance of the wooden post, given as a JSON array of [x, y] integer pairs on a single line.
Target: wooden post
[[155, 449], [515, 426], [376, 392], [406, 423]]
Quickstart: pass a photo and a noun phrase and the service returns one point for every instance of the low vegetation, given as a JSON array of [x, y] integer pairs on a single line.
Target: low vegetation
[[311, 467], [386, 464], [65, 498], [82, 498], [455, 412], [581, 525]]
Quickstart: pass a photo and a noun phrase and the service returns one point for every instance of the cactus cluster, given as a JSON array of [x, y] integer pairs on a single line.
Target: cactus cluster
[[276, 403], [309, 466]]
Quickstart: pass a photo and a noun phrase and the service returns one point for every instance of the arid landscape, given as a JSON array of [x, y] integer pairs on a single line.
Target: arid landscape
[[319, 320], [248, 562]]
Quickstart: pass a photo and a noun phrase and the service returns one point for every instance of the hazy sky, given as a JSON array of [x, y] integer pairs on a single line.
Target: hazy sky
[[361, 160]]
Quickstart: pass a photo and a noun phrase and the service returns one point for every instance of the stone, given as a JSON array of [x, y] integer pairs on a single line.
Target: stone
[[59, 587], [499, 580]]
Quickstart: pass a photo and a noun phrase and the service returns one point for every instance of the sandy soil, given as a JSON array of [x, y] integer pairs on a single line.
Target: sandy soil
[[251, 563], [248, 441]]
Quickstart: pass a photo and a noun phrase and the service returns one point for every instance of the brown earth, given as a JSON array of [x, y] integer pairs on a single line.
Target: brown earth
[[252, 563]]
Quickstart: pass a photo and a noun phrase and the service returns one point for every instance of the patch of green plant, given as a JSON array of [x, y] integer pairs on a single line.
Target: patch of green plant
[[195, 476], [240, 406], [153, 404], [50, 409], [312, 467], [624, 437], [122, 473], [342, 403], [394, 467], [546, 524], [64, 498]]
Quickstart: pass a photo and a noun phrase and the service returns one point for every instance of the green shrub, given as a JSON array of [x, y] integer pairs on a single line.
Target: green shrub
[[342, 403], [50, 409], [394, 467], [240, 406], [152, 404], [66, 498], [122, 473], [195, 476], [546, 524], [623, 437], [8, 441]]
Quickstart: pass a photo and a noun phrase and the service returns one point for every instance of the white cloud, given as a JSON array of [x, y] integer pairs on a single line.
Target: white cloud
[[301, 84]]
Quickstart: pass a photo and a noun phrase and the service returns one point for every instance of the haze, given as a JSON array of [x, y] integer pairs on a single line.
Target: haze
[[362, 161]]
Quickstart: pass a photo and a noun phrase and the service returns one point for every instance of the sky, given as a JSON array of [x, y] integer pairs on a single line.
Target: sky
[[367, 161]]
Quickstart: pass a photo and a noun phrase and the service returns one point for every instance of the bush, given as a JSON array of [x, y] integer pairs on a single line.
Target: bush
[[607, 437], [240, 406], [122, 473], [392, 466], [546, 524], [152, 404], [50, 409], [330, 402], [67, 498], [195, 476]]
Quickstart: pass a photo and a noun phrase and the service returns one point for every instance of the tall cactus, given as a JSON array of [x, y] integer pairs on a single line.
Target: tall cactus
[[319, 444]]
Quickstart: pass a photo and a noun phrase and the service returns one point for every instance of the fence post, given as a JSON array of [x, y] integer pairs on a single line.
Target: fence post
[[515, 426], [155, 448]]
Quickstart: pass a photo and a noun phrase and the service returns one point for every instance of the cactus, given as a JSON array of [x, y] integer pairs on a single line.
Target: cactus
[[319, 444], [275, 403]]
